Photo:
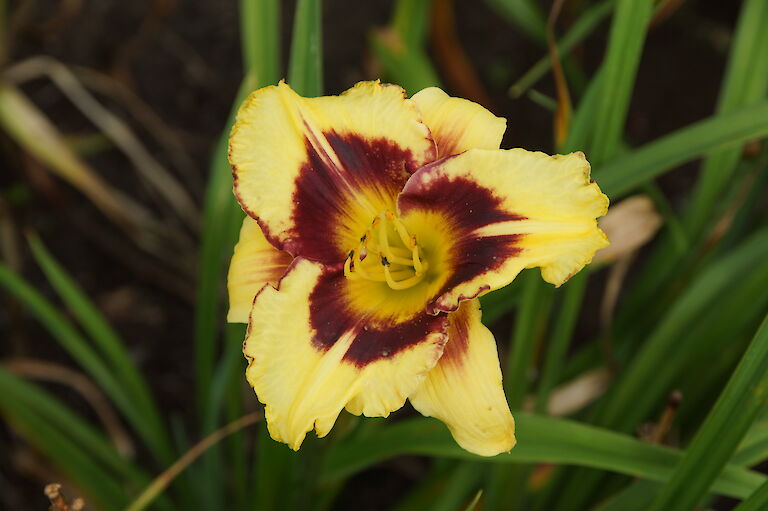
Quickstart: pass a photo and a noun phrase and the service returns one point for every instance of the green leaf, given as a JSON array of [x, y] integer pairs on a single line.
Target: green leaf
[[73, 445], [78, 347], [745, 84], [758, 501], [630, 170], [526, 14], [562, 333], [650, 374], [260, 39], [462, 483], [222, 215], [635, 497], [400, 48], [754, 448], [540, 440], [111, 347], [305, 69], [529, 325], [18, 393], [222, 218], [736, 408], [587, 22], [625, 46], [411, 21]]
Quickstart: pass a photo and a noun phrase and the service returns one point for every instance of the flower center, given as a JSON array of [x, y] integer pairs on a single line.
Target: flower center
[[386, 253]]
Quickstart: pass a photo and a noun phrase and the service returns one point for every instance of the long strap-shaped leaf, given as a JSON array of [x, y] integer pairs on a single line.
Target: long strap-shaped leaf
[[758, 501], [745, 83], [738, 406], [540, 440], [625, 46], [628, 171], [305, 69], [110, 345]]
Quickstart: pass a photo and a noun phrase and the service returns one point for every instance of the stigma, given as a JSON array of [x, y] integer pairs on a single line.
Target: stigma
[[387, 253]]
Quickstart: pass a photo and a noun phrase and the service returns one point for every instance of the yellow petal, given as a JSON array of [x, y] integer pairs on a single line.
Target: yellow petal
[[458, 124], [315, 171], [464, 389], [310, 354], [255, 262], [507, 210]]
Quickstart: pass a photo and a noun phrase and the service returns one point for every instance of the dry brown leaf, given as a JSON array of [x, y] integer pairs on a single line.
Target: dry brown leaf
[[629, 225], [574, 395]]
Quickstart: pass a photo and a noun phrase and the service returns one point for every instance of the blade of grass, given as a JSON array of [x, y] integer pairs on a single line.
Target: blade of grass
[[745, 83], [222, 218], [260, 39], [663, 275], [543, 440], [100, 488], [73, 446], [18, 393], [581, 122], [717, 439], [625, 46], [758, 501], [534, 309], [32, 130], [158, 179], [626, 172], [409, 68], [305, 68], [411, 21], [695, 324], [107, 341], [399, 48], [561, 338], [76, 345], [276, 470], [155, 489], [754, 448], [635, 497], [526, 14], [222, 215], [650, 368], [588, 21], [461, 483], [496, 304]]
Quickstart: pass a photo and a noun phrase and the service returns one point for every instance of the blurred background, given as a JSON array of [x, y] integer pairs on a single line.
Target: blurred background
[[112, 191]]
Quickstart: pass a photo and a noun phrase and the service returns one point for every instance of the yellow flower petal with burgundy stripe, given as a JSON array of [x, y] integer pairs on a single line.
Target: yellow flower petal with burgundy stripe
[[464, 389], [388, 243], [458, 124], [255, 263], [505, 210], [314, 171], [311, 353]]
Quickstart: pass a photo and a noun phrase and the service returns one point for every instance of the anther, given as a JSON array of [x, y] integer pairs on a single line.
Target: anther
[[348, 266], [401, 265]]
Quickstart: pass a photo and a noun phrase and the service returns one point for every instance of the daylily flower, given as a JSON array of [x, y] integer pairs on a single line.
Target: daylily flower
[[374, 223]]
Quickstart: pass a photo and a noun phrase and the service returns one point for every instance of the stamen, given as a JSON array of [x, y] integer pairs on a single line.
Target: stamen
[[416, 258], [359, 268], [403, 284], [408, 241], [400, 266]]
